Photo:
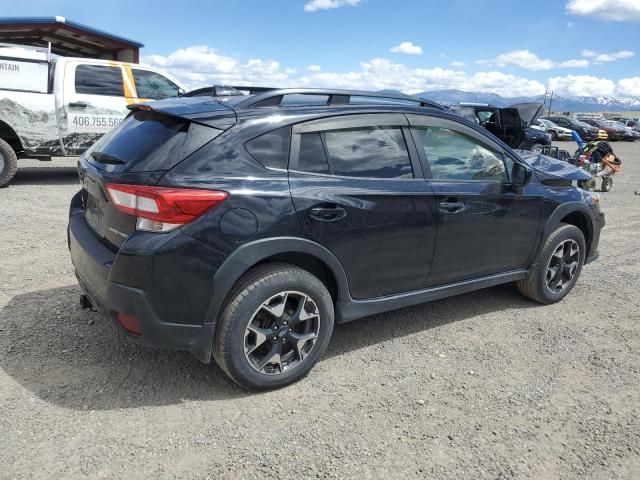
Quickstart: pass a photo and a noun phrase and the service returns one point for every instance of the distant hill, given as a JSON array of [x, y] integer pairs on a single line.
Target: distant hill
[[560, 104]]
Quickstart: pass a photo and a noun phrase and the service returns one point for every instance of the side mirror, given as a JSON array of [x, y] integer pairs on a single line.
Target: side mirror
[[520, 175]]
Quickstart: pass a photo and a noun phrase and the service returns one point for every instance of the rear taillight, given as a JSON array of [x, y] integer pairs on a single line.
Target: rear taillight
[[162, 209]]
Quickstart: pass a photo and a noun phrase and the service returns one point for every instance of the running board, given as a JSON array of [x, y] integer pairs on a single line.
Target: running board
[[354, 309]]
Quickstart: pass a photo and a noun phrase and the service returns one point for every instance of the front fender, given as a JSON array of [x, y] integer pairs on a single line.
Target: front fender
[[559, 213]]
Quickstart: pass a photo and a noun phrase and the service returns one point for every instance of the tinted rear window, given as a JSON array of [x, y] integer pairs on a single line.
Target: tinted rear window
[[150, 141], [99, 80]]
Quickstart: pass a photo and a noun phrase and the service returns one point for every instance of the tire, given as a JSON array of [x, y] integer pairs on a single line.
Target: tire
[[239, 347], [538, 286], [8, 163], [607, 183], [554, 135], [536, 148]]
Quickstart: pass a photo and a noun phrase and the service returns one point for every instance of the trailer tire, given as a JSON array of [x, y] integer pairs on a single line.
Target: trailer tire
[[8, 163], [607, 183]]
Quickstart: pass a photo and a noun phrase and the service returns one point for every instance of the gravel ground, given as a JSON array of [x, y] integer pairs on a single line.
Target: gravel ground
[[485, 385]]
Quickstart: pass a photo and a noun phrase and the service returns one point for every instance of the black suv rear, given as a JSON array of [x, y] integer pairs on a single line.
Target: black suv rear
[[510, 124], [243, 227]]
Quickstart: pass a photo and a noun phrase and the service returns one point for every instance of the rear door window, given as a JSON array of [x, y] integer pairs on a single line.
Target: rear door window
[[153, 85], [99, 80], [375, 152]]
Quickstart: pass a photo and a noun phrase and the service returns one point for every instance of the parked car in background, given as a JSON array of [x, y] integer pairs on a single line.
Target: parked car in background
[[629, 122], [631, 133], [244, 227], [556, 131], [614, 133], [512, 125], [587, 132], [633, 124], [59, 106]]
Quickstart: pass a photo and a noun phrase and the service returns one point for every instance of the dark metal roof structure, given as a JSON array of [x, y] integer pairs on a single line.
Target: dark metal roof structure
[[68, 38]]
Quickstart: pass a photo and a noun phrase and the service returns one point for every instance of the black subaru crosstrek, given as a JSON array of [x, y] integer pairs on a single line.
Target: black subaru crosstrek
[[243, 227]]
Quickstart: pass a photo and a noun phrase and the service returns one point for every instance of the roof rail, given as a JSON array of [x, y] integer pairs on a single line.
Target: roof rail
[[274, 97], [225, 91], [254, 90]]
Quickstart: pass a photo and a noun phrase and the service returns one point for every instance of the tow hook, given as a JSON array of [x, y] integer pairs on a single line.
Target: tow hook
[[85, 303]]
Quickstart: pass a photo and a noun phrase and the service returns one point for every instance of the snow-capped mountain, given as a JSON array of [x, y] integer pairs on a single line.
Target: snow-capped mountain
[[560, 104]]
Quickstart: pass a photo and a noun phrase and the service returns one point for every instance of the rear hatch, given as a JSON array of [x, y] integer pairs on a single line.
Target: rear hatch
[[528, 111], [153, 139]]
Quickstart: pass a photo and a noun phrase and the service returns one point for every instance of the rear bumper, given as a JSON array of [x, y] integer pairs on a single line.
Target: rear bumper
[[93, 264]]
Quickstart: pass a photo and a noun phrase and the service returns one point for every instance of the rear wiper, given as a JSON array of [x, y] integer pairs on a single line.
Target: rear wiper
[[107, 158]]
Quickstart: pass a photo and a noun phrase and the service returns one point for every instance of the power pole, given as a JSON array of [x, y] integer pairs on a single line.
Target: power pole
[[550, 102]]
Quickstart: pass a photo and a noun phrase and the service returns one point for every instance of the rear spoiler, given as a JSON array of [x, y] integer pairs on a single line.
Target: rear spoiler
[[198, 110]]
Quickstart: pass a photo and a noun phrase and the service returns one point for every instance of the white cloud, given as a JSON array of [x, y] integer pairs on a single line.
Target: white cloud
[[612, 57], [607, 57], [582, 63], [523, 59], [590, 86], [315, 5], [617, 10], [407, 48], [457, 64], [629, 87], [582, 86], [199, 66], [530, 61]]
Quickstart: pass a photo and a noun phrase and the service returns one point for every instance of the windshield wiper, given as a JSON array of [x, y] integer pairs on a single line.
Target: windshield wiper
[[107, 158]]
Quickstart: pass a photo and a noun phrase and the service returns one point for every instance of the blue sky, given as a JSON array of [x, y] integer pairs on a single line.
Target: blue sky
[[575, 47]]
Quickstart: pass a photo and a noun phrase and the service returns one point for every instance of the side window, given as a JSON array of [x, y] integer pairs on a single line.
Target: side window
[[99, 80], [485, 116], [455, 156], [272, 148], [378, 152], [312, 156], [153, 85]]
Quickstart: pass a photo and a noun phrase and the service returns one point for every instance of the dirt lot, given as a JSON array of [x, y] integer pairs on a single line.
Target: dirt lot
[[486, 385]]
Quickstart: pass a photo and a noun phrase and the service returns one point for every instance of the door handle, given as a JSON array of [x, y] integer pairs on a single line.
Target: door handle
[[326, 213], [78, 104], [451, 207]]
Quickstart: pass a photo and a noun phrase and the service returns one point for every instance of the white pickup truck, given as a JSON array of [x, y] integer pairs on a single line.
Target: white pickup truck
[[58, 106]]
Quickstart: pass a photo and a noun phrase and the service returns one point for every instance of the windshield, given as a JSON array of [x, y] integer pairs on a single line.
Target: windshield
[[548, 123]]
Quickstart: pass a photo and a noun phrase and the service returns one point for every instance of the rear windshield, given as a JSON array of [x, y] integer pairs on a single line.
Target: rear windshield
[[150, 141]]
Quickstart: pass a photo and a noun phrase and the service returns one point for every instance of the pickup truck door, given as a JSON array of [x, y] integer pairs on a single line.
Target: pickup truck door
[[95, 97]]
